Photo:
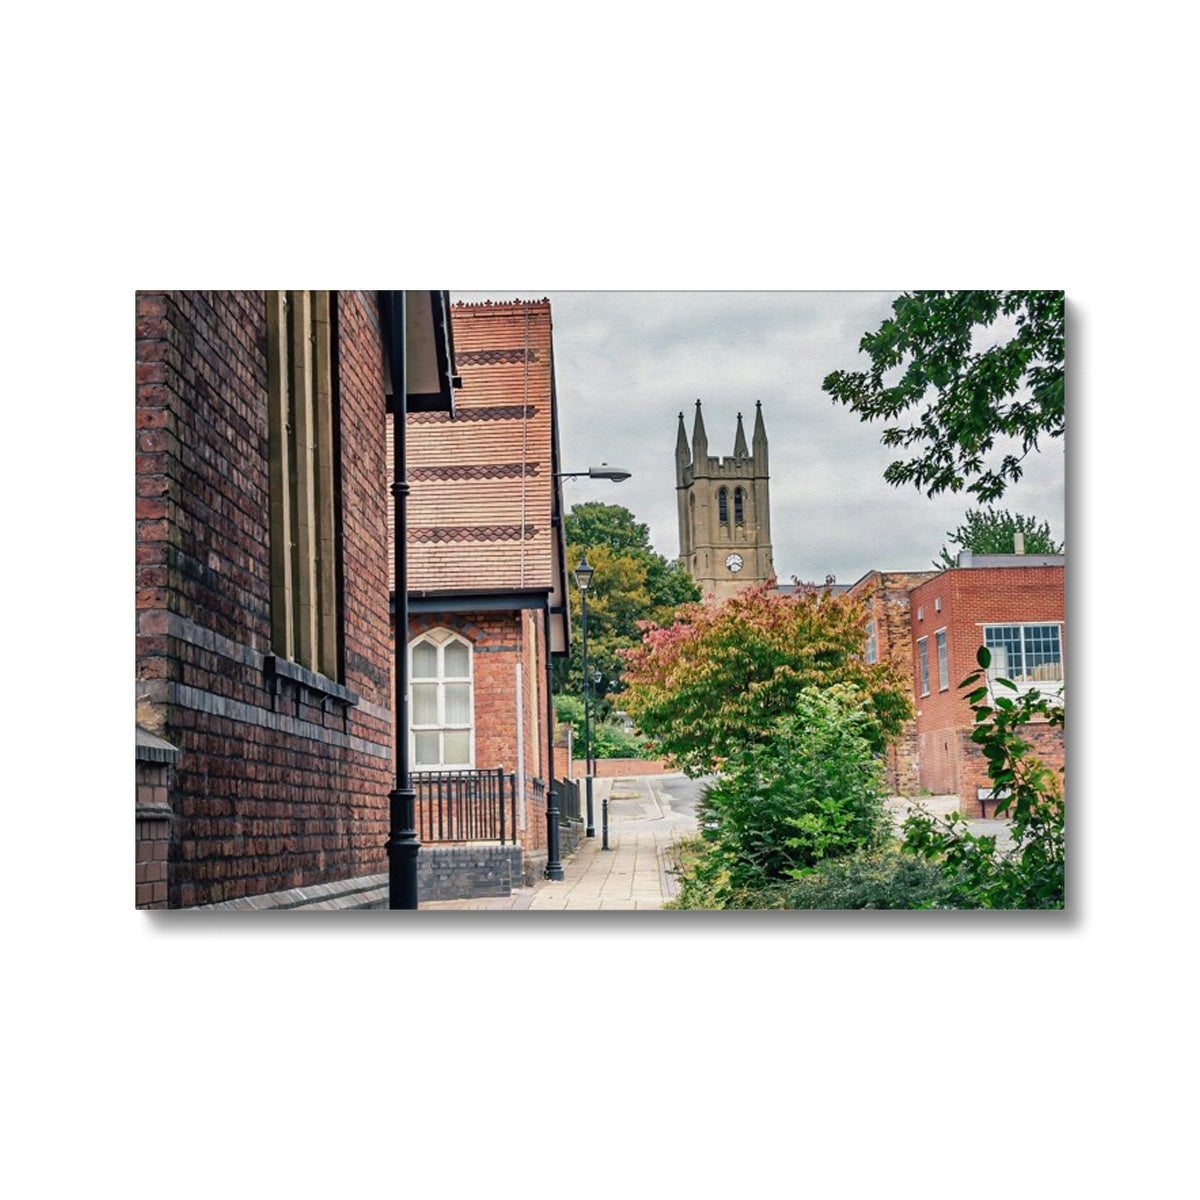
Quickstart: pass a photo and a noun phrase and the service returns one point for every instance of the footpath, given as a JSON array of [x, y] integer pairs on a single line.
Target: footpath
[[631, 874]]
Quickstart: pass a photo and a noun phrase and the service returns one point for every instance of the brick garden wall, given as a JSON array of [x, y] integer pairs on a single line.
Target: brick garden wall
[[276, 785]]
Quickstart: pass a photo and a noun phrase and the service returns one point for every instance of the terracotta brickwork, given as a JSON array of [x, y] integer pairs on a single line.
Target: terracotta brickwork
[[282, 780], [960, 602]]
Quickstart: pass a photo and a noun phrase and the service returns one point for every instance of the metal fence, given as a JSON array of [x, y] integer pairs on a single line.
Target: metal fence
[[466, 806], [568, 800]]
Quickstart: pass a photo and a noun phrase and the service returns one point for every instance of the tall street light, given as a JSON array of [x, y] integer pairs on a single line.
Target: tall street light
[[583, 578]]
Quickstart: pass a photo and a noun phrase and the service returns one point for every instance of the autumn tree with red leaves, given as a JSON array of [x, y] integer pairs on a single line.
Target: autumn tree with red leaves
[[718, 679]]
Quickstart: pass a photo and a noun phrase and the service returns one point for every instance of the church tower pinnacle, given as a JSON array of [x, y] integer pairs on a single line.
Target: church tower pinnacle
[[724, 509]]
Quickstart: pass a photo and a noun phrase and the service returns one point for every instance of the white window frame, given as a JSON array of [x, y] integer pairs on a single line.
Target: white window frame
[[1004, 669], [943, 659], [440, 638], [923, 665], [871, 651]]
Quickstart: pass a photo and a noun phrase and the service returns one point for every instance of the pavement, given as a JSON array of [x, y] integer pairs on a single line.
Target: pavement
[[633, 873]]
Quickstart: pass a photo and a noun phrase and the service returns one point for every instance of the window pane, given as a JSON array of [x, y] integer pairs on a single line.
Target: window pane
[[943, 664], [425, 710], [458, 660], [458, 704], [457, 747], [427, 750], [424, 660]]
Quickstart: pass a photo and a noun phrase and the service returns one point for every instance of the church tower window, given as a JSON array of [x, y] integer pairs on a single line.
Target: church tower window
[[723, 506], [739, 507]]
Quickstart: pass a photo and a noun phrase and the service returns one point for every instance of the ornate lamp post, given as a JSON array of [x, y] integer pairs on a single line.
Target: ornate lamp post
[[583, 578]]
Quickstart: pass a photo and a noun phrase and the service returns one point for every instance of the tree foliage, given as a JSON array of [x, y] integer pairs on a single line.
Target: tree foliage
[[631, 584], [978, 874], [938, 364], [779, 809], [723, 675], [993, 531]]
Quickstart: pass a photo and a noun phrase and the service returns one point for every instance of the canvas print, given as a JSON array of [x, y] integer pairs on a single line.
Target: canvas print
[[600, 601]]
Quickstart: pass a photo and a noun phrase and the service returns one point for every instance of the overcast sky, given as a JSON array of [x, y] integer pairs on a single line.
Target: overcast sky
[[627, 363]]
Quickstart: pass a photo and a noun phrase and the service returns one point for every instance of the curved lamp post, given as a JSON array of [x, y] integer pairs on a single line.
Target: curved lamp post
[[583, 578]]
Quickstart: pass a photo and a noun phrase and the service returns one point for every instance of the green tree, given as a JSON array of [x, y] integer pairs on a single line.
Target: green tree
[[779, 809], [631, 584], [962, 389], [992, 531], [722, 675]]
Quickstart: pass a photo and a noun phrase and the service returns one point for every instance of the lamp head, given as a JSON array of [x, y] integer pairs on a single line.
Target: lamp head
[[584, 573]]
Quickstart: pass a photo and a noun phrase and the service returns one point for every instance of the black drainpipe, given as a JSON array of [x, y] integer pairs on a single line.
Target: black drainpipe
[[554, 868]]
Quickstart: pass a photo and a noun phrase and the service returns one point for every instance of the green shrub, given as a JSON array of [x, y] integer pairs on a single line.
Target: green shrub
[[879, 879], [812, 793]]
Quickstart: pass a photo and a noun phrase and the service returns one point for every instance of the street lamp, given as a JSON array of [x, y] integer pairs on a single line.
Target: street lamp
[[603, 471], [583, 577]]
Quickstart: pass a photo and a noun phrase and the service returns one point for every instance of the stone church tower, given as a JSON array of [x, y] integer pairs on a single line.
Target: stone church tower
[[724, 509]]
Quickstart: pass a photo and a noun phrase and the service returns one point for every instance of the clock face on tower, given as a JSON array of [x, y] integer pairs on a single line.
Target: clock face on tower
[[734, 562]]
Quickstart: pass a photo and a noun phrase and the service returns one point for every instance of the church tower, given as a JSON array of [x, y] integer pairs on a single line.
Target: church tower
[[724, 509]]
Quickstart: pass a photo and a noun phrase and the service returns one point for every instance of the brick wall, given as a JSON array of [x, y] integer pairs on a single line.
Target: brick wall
[[886, 595], [961, 602], [153, 833], [278, 784]]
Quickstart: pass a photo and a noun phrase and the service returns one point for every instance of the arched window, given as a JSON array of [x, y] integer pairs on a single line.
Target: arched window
[[723, 506], [443, 709], [739, 507]]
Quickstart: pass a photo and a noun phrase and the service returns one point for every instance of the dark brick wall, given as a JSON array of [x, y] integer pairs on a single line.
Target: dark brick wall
[[276, 786], [153, 834]]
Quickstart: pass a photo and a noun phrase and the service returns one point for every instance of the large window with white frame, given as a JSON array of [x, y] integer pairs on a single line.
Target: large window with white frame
[[1026, 654], [923, 665], [871, 652], [443, 707]]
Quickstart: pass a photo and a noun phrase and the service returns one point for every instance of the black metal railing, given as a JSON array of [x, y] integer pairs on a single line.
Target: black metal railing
[[466, 806], [568, 800]]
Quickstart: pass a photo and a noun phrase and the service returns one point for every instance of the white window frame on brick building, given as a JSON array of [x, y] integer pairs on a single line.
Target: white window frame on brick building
[[442, 709], [871, 653], [923, 665], [943, 661], [1027, 652]]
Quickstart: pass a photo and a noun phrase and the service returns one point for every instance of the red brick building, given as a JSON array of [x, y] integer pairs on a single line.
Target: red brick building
[[934, 624], [263, 658], [486, 572]]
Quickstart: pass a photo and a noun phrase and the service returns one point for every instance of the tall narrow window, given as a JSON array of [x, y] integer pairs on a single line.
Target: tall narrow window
[[871, 653], [739, 507], [923, 665], [723, 506], [443, 708], [943, 660], [305, 624]]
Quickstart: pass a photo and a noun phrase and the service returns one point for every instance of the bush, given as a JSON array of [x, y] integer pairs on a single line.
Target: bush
[[812, 793], [881, 879]]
